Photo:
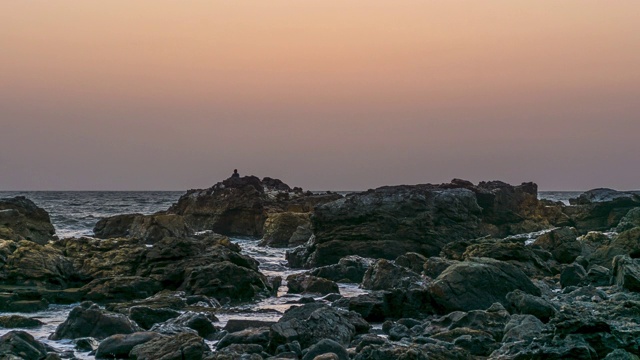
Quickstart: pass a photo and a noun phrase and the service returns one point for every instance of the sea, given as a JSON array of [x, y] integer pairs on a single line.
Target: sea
[[75, 213]]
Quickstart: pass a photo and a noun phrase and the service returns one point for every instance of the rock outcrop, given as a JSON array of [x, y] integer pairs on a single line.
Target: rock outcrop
[[149, 228], [21, 219]]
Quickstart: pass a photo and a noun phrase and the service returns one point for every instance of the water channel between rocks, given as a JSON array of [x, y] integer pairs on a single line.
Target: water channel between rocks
[[272, 263]]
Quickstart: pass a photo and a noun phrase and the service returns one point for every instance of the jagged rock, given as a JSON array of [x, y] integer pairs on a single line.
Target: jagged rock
[[310, 323], [225, 279], [434, 266], [22, 219], [523, 303], [88, 320], [149, 228], [600, 209], [184, 346], [200, 324], [516, 253], [478, 283], [286, 229], [620, 354], [307, 284], [522, 327], [20, 345], [17, 321], [491, 321], [120, 345], [630, 220], [28, 263], [348, 269], [240, 206], [146, 316], [431, 351], [413, 261], [626, 272], [259, 336], [390, 221], [625, 243], [562, 243], [385, 275], [239, 351], [572, 275], [86, 344], [601, 195], [599, 276]]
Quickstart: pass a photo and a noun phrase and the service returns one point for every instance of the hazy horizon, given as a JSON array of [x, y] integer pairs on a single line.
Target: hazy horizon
[[325, 95]]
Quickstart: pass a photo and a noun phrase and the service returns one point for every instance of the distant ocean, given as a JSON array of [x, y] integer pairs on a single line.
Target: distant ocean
[[75, 213]]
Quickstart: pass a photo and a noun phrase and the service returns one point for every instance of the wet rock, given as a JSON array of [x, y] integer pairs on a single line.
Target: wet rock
[[348, 269], [121, 288], [385, 275], [11, 302], [572, 275], [599, 276], [200, 324], [307, 284], [86, 344], [562, 243], [396, 331], [491, 321], [17, 345], [234, 325], [146, 316], [149, 228], [523, 303], [22, 219], [259, 336], [310, 323], [625, 243], [184, 346], [518, 254], [378, 306], [120, 345], [286, 229], [477, 284], [630, 220], [240, 351], [430, 351], [620, 354], [626, 272], [17, 321], [88, 320], [326, 347]]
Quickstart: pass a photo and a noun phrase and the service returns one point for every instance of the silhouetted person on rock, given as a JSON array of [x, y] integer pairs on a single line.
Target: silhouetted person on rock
[[235, 174]]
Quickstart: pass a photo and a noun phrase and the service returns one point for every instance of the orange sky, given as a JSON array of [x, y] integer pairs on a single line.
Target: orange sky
[[155, 94]]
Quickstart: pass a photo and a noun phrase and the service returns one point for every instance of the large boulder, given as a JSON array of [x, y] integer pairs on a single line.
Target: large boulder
[[349, 269], [150, 228], [630, 220], [478, 283], [310, 323], [600, 209], [390, 221], [22, 219], [28, 263], [120, 345], [626, 272], [308, 284], [89, 320], [241, 205], [386, 275], [625, 243], [562, 243]]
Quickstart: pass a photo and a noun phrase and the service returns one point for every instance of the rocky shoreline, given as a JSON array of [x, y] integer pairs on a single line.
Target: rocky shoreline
[[449, 271]]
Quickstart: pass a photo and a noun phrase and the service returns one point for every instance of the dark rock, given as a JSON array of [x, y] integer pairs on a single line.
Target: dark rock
[[491, 321], [630, 220], [121, 288], [523, 303], [198, 323], [310, 323], [385, 275], [29, 263], [413, 261], [430, 351], [477, 284], [572, 275], [226, 279], [286, 229], [119, 345], [625, 243], [88, 320], [86, 344], [326, 346], [234, 325], [184, 346], [600, 210], [626, 272], [22, 219], [258, 336], [562, 243], [601, 195], [307, 284], [378, 306], [21, 345], [620, 354], [516, 253], [599, 276], [17, 321], [522, 327], [146, 316], [149, 228], [434, 266], [396, 331], [348, 269]]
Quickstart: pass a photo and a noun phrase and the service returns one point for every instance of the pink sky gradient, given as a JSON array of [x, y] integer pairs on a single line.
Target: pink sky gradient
[[343, 95]]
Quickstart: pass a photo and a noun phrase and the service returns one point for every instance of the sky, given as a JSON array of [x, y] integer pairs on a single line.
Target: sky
[[326, 94]]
